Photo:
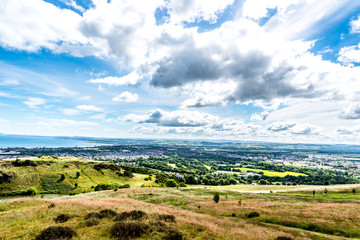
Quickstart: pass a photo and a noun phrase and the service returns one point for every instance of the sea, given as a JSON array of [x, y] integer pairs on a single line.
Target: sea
[[44, 141]]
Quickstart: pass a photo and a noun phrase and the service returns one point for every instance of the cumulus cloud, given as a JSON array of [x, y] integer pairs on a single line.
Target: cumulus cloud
[[174, 119], [34, 102], [355, 25], [351, 112], [280, 126], [130, 79], [49, 25], [259, 116], [90, 108], [126, 97], [349, 54], [305, 129]]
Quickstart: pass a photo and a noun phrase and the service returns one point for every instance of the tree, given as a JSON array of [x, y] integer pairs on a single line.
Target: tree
[[216, 197]]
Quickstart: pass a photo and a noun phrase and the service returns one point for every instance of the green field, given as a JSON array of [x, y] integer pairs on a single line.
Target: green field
[[45, 176], [272, 173]]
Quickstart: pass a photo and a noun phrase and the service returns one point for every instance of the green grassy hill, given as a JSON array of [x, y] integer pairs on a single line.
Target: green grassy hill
[[44, 174]]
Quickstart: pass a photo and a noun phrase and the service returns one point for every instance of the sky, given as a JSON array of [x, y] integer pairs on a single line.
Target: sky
[[251, 70]]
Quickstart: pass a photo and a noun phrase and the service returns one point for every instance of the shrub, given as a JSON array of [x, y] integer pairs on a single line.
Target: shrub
[[51, 205], [283, 238], [126, 230], [216, 197], [62, 218], [239, 202], [132, 215], [91, 222], [252, 214], [166, 218], [56, 232], [93, 215], [107, 213], [109, 186], [182, 184], [62, 177], [171, 183], [30, 192], [174, 235], [128, 174]]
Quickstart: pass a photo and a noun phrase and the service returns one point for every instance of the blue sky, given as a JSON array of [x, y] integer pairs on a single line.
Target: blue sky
[[264, 70]]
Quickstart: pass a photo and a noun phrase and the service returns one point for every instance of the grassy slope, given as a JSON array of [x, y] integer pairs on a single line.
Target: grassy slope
[[280, 214], [272, 173], [44, 176]]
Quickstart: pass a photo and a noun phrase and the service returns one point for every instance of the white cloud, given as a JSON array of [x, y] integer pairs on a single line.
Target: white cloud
[[70, 111], [126, 97], [351, 112], [90, 108], [259, 116], [349, 54], [192, 10], [355, 25], [280, 126], [32, 24], [130, 79], [34, 102], [174, 119], [72, 3]]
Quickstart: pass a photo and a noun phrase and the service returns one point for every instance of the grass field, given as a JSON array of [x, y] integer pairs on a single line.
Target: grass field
[[197, 216], [272, 173]]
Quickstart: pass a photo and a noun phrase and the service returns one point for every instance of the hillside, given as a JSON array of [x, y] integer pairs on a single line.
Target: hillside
[[45, 175], [186, 213]]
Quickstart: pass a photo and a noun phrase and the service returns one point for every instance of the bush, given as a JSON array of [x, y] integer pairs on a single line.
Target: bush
[[56, 232], [166, 218], [132, 215], [30, 192], [91, 222], [107, 213], [216, 197], [128, 174], [51, 205], [62, 218], [182, 184], [109, 186], [252, 214], [174, 235], [126, 230], [62, 177], [93, 215], [171, 183]]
